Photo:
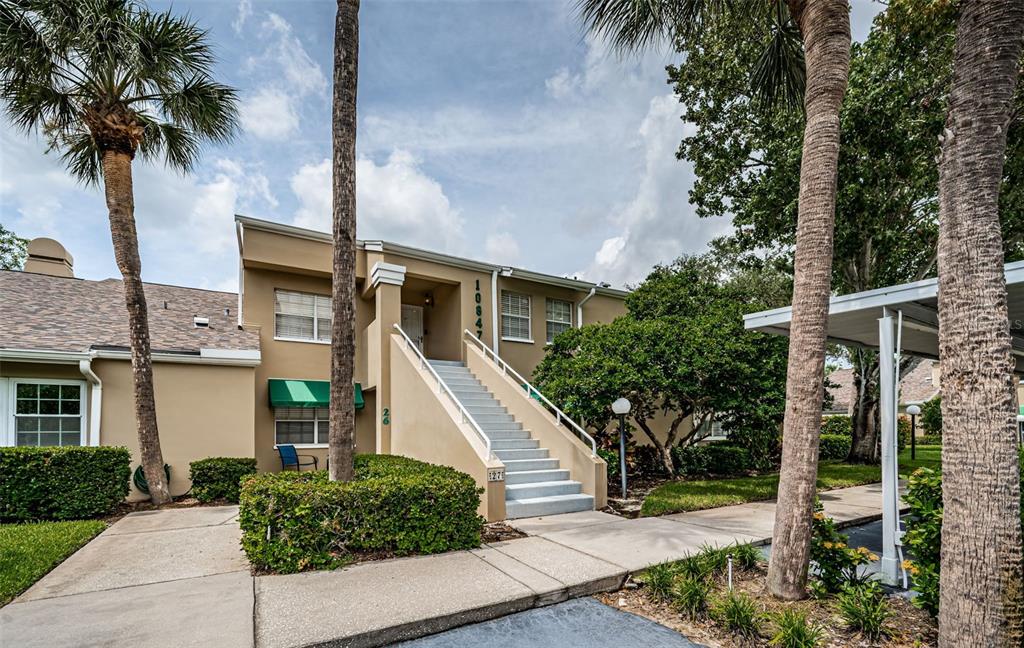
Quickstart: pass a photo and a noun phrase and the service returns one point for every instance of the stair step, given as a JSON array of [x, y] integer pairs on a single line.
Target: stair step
[[493, 418], [491, 407], [534, 476], [446, 363], [542, 489], [505, 426], [522, 453], [458, 381], [536, 506], [514, 444], [495, 435], [530, 464]]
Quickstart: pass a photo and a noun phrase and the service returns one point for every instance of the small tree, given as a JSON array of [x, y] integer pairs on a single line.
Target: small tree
[[931, 416], [13, 250]]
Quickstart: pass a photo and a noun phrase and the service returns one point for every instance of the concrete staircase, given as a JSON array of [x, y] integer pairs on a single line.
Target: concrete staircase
[[534, 482]]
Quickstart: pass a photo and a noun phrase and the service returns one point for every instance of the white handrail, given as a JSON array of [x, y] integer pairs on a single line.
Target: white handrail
[[531, 390], [442, 387]]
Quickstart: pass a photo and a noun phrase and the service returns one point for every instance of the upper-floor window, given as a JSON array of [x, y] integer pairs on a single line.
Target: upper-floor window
[[515, 316], [302, 316], [558, 317]]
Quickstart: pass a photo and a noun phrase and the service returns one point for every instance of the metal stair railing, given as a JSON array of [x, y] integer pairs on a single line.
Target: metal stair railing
[[442, 388], [532, 391]]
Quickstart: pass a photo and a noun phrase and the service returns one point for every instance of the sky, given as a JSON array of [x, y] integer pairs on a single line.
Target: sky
[[495, 130]]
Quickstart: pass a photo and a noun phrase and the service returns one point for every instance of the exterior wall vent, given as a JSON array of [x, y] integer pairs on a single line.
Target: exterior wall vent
[[201, 322]]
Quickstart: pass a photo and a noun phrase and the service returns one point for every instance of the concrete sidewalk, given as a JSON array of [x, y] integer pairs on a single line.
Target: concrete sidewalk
[[177, 576]]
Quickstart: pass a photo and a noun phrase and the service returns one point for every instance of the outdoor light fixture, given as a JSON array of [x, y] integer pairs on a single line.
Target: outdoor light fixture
[[621, 408], [913, 410], [1020, 429]]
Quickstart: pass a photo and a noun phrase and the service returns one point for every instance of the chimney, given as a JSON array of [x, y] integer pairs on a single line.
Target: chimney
[[46, 256]]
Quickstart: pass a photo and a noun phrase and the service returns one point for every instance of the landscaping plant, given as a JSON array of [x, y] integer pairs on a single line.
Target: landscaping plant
[[834, 447], [219, 478], [659, 580], [836, 562], [924, 536], [62, 483], [863, 608], [690, 596], [711, 458], [293, 521], [793, 630], [840, 425], [737, 613]]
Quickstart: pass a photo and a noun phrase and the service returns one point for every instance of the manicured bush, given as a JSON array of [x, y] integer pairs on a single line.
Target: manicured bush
[[219, 478], [292, 521], [710, 459], [838, 425], [931, 416], [834, 447], [764, 442], [929, 439], [645, 461], [62, 483]]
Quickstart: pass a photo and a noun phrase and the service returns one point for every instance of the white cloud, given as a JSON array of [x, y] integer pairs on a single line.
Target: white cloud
[[658, 223], [502, 248], [269, 114], [244, 13], [395, 201], [285, 50]]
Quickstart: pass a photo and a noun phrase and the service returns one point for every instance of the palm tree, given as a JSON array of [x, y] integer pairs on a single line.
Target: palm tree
[[343, 292], [981, 584], [824, 29], [105, 80]]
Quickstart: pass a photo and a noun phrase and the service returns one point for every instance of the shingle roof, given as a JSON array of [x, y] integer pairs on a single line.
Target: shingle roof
[[915, 387], [39, 311]]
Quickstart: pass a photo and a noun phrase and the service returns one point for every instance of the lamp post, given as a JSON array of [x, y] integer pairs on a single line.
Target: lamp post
[[913, 410], [1020, 429], [621, 407]]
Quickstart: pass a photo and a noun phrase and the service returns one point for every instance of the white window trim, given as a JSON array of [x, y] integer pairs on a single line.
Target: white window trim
[[551, 321], [529, 318], [8, 410], [316, 432], [316, 319]]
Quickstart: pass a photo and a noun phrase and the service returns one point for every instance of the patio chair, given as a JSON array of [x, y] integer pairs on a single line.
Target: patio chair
[[291, 458]]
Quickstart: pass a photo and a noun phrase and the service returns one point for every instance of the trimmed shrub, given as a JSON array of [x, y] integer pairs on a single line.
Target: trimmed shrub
[[612, 459], [646, 461], [764, 443], [931, 416], [929, 439], [902, 432], [219, 478], [712, 458], [837, 425], [68, 483], [834, 447], [293, 521]]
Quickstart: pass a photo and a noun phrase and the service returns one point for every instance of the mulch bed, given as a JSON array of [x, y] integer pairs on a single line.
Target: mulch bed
[[909, 626], [637, 489], [500, 532]]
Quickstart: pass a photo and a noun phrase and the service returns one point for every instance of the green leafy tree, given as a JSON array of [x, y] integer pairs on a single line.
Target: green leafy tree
[[13, 250], [680, 354], [931, 416], [747, 162], [106, 81]]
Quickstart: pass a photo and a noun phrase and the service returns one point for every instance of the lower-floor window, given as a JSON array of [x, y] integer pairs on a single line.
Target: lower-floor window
[[48, 414], [301, 425]]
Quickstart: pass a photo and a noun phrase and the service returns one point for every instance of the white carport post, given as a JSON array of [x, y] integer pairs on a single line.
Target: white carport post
[[890, 480]]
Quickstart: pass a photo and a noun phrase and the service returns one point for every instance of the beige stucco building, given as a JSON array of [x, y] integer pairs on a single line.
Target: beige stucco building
[[240, 374]]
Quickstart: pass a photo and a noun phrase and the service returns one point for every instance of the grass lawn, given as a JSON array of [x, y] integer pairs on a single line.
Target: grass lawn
[[678, 496], [29, 551]]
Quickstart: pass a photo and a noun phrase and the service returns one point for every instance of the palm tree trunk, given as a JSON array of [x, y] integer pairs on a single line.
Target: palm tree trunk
[[117, 185], [981, 586], [343, 347], [825, 26]]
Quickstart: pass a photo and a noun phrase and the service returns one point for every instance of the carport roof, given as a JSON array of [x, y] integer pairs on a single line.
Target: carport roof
[[853, 318]]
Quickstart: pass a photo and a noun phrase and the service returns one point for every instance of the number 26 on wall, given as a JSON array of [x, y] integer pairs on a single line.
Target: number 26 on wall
[[385, 416]]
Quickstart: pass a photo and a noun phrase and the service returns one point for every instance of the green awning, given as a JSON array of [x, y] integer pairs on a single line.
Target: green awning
[[306, 393]]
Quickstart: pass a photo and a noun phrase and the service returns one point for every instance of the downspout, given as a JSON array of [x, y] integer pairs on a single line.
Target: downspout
[[579, 306], [241, 283], [494, 310], [95, 400]]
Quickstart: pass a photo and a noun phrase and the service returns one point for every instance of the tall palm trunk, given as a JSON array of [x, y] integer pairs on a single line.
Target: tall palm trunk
[[981, 587], [825, 27], [343, 348], [117, 185]]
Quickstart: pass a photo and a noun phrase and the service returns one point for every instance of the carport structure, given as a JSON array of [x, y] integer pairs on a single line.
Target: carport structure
[[895, 320]]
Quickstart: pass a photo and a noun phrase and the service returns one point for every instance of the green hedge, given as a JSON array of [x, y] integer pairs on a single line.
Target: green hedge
[[69, 483], [837, 425], [929, 439], [834, 447], [710, 459], [217, 478], [292, 521]]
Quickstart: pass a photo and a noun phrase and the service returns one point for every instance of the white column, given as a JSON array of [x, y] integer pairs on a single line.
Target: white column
[[890, 484]]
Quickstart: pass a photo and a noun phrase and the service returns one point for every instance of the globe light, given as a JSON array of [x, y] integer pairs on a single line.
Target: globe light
[[621, 406], [913, 410]]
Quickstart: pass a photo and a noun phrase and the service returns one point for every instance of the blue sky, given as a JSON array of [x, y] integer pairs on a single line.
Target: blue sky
[[493, 130]]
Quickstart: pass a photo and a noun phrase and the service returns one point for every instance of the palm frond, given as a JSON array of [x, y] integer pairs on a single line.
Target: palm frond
[[779, 76], [178, 147], [80, 154], [632, 25], [203, 106]]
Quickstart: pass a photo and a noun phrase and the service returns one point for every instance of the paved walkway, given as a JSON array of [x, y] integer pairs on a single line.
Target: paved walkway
[[177, 576]]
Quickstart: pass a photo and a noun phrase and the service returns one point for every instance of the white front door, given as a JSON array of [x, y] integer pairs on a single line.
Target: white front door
[[412, 324]]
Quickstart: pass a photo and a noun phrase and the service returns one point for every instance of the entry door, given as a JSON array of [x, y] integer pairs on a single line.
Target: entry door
[[412, 324]]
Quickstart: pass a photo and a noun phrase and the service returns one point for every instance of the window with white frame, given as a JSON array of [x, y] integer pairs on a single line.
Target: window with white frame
[[301, 425], [558, 317], [48, 413], [302, 316], [515, 316]]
